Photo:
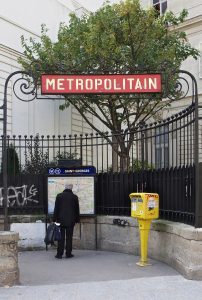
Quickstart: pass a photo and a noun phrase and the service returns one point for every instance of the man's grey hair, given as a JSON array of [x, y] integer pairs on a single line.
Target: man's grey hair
[[69, 186]]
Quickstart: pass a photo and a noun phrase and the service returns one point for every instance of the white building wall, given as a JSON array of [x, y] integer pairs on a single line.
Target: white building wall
[[24, 17], [194, 7]]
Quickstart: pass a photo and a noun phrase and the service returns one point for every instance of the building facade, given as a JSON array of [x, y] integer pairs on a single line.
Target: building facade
[[193, 28], [24, 18]]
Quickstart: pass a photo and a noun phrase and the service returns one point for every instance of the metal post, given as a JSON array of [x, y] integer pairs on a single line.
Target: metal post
[[24, 87], [198, 169], [4, 157]]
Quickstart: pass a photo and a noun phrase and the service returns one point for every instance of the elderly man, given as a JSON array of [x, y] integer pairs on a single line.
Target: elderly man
[[66, 212]]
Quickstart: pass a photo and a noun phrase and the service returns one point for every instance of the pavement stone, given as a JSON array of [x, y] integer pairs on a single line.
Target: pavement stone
[[97, 275]]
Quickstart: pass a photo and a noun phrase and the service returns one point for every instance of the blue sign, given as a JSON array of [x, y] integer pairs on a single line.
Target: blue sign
[[88, 170]]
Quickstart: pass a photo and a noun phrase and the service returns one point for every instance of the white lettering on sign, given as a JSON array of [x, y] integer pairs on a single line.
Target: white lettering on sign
[[60, 84], [89, 84], [130, 82], [70, 80], [19, 195], [50, 83], [126, 83], [79, 84], [98, 83], [138, 84], [152, 83]]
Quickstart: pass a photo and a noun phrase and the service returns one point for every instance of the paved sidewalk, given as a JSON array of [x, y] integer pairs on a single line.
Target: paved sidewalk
[[97, 275]]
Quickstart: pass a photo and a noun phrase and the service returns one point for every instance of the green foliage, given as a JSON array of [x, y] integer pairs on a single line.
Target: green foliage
[[66, 155], [62, 155], [138, 165], [13, 166], [36, 161], [117, 39]]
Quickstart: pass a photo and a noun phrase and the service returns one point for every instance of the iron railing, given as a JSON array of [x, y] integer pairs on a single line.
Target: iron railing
[[175, 187], [164, 144]]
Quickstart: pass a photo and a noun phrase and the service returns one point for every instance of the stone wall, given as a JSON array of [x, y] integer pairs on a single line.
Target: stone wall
[[9, 272], [176, 244]]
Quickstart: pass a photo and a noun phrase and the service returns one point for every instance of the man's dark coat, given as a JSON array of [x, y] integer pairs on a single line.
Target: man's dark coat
[[66, 211]]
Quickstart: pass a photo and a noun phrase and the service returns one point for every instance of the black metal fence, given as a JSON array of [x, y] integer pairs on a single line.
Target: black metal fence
[[163, 144], [175, 187], [161, 160], [27, 194]]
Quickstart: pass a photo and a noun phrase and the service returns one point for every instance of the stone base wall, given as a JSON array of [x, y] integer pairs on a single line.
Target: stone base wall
[[9, 272], [176, 244]]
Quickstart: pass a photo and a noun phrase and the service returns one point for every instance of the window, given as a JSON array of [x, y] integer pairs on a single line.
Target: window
[[161, 147], [160, 6]]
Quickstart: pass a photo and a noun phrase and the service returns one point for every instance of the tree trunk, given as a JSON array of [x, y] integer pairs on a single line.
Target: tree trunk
[[124, 162], [120, 155]]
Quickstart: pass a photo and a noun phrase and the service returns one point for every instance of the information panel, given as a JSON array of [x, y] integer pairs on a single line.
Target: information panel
[[83, 187]]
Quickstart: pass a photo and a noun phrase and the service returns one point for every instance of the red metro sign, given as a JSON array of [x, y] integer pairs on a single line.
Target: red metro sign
[[100, 84]]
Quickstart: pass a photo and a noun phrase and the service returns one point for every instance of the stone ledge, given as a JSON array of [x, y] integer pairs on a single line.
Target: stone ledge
[[27, 218], [132, 222], [186, 231], [8, 236]]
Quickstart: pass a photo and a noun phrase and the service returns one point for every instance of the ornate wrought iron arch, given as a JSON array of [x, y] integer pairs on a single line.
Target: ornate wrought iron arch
[[27, 86]]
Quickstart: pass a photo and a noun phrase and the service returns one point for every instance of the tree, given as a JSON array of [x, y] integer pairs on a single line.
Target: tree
[[36, 161], [117, 39], [13, 166]]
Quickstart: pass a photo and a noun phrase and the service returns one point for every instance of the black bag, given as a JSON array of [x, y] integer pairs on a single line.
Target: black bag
[[57, 233], [52, 234]]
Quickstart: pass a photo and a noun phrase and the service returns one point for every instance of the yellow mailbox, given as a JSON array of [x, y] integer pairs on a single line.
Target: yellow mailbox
[[144, 207]]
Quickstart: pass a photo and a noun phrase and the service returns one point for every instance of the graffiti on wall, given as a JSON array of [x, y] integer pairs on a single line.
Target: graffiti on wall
[[19, 195]]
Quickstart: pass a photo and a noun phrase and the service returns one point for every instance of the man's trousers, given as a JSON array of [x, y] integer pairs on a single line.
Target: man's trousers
[[66, 234]]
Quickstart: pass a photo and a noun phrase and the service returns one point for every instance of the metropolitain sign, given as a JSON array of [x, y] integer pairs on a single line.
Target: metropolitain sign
[[100, 84]]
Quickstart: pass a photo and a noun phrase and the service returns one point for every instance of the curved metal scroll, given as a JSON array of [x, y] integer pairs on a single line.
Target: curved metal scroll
[[27, 87], [184, 85], [24, 86]]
